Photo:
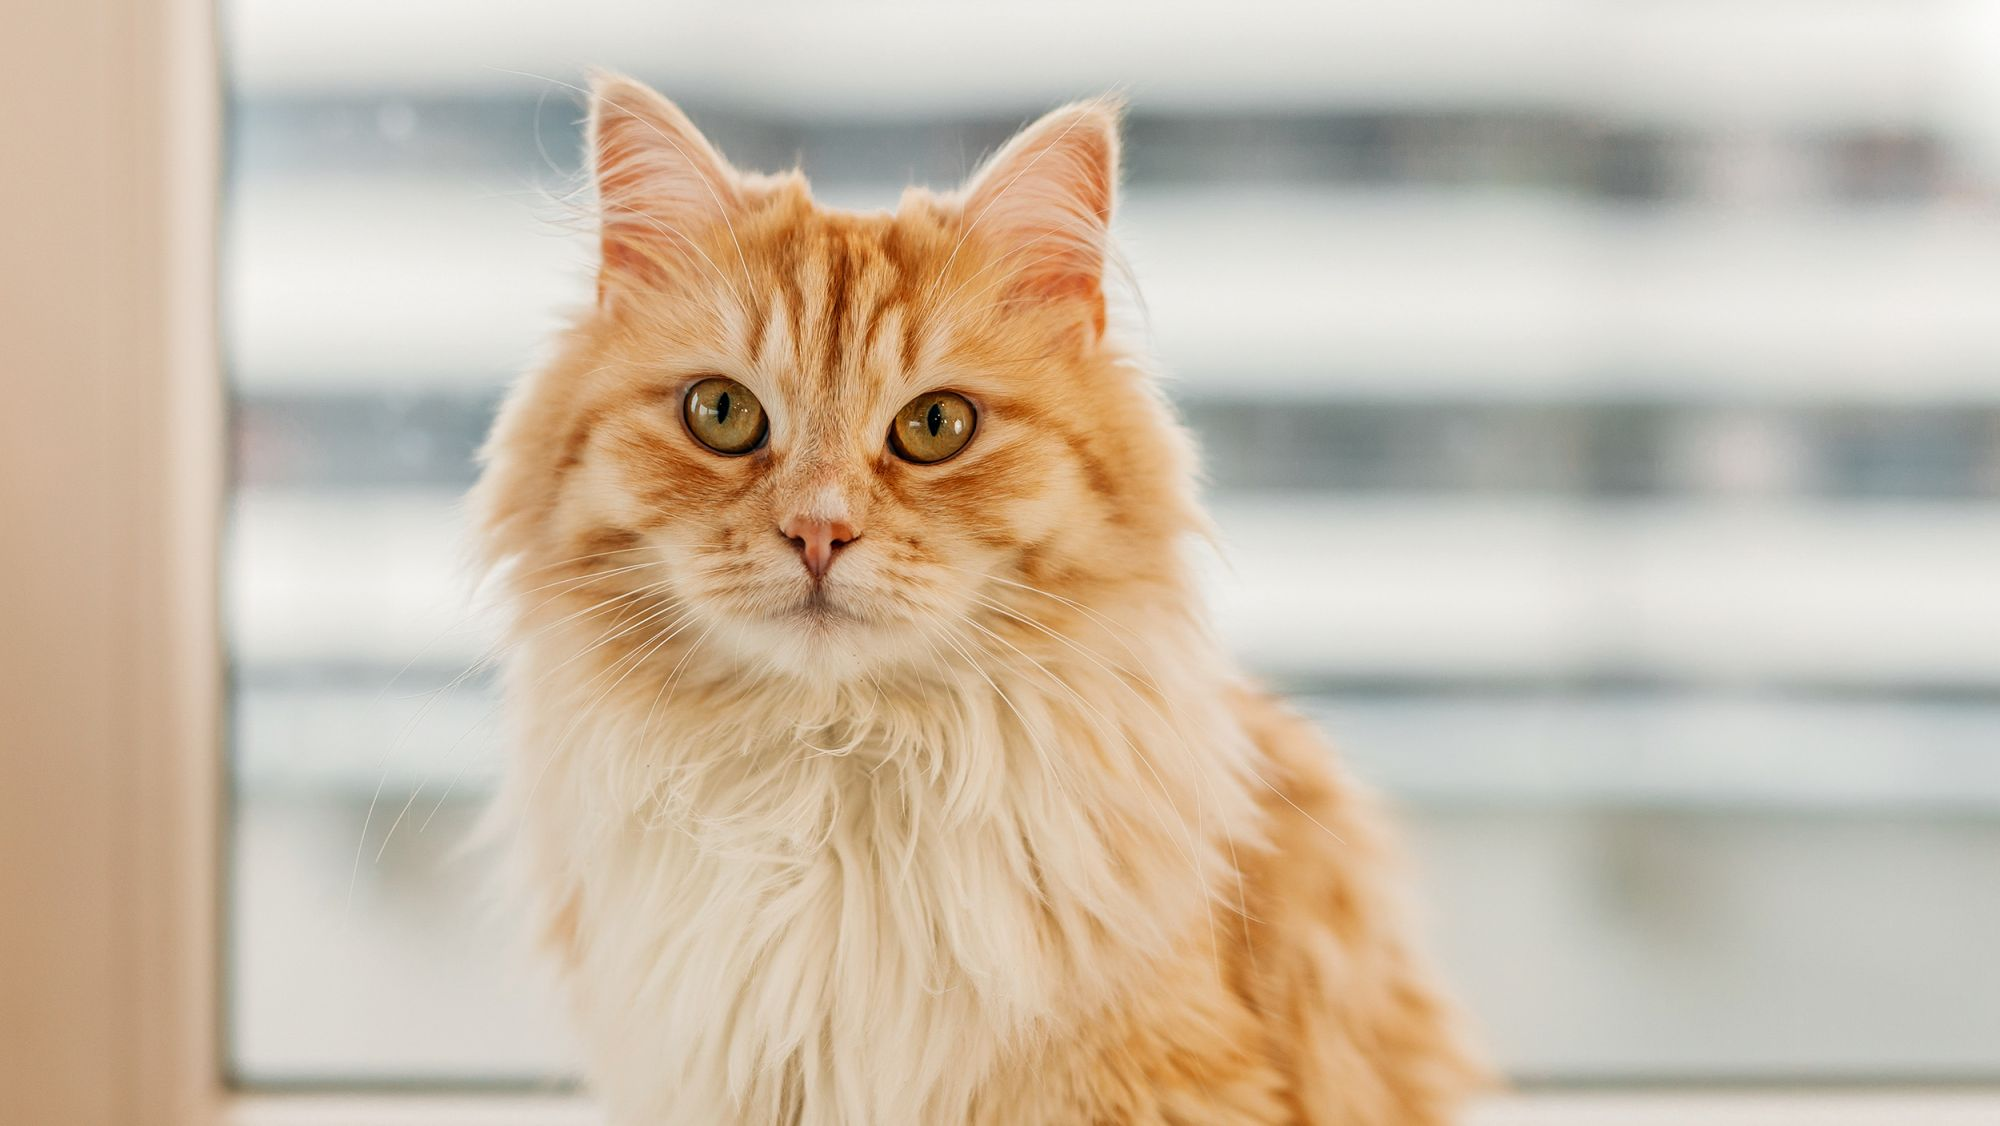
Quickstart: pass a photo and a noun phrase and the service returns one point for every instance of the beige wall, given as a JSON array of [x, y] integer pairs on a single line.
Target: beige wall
[[108, 471]]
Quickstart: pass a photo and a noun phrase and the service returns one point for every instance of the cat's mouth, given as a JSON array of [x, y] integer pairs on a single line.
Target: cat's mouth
[[819, 607]]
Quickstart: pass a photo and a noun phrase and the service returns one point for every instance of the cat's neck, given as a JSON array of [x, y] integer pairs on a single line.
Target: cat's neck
[[970, 849]]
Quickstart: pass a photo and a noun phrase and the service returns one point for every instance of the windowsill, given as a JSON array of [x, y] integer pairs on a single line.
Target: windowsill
[[1623, 1108]]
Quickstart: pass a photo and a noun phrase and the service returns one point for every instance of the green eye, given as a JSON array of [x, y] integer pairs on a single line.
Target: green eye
[[723, 415], [932, 427]]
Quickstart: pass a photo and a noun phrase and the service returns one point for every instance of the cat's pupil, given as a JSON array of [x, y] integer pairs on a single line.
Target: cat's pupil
[[722, 408], [935, 419]]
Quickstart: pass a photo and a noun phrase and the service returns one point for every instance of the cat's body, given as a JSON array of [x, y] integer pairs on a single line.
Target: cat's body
[[967, 819]]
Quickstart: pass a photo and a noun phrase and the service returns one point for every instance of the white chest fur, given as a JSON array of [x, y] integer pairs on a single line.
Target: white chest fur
[[850, 918]]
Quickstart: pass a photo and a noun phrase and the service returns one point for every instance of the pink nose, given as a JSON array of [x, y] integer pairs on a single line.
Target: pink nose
[[818, 541]]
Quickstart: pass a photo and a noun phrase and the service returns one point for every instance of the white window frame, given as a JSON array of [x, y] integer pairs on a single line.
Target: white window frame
[[110, 668]]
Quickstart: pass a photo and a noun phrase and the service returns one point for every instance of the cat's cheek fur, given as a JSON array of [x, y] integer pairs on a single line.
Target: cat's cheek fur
[[983, 832]]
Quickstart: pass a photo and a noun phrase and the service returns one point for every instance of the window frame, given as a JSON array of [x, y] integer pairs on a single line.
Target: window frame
[[110, 678], [113, 680]]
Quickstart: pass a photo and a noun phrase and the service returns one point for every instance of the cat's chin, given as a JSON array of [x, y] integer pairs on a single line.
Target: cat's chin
[[817, 637]]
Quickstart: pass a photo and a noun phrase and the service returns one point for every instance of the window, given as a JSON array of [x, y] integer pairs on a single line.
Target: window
[[1602, 404]]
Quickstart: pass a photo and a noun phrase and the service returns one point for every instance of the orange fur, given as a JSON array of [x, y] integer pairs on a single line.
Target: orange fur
[[979, 829]]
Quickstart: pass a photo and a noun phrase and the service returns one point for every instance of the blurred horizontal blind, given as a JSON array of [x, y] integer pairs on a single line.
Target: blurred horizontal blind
[[1600, 401]]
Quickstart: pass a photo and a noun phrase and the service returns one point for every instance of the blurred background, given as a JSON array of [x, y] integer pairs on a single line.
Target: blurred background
[[1601, 404]]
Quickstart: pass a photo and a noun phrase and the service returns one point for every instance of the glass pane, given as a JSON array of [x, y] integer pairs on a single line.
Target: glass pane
[[1601, 404]]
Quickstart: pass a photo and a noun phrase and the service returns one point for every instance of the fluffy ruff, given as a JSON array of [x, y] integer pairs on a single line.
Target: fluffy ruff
[[1044, 889]]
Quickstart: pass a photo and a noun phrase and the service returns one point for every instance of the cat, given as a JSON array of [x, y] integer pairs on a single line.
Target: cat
[[872, 763]]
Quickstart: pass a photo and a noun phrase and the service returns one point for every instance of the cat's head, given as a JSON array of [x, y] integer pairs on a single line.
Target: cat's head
[[829, 440]]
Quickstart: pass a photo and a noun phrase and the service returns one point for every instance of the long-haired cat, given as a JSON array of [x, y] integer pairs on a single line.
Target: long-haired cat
[[872, 762]]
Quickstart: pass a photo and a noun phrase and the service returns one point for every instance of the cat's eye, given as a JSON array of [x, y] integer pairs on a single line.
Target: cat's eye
[[933, 426], [723, 415]]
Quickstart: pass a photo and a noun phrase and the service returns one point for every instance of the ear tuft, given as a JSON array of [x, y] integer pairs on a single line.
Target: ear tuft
[[1045, 201], [659, 181]]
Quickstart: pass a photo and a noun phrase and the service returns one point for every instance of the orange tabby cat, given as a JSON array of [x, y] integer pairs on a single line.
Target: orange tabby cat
[[873, 764]]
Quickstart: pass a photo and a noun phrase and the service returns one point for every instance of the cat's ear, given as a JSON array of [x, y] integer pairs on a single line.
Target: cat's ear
[[659, 182], [1044, 202]]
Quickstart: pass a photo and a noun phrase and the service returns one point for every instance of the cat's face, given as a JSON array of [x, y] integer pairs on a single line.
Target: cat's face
[[826, 441]]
